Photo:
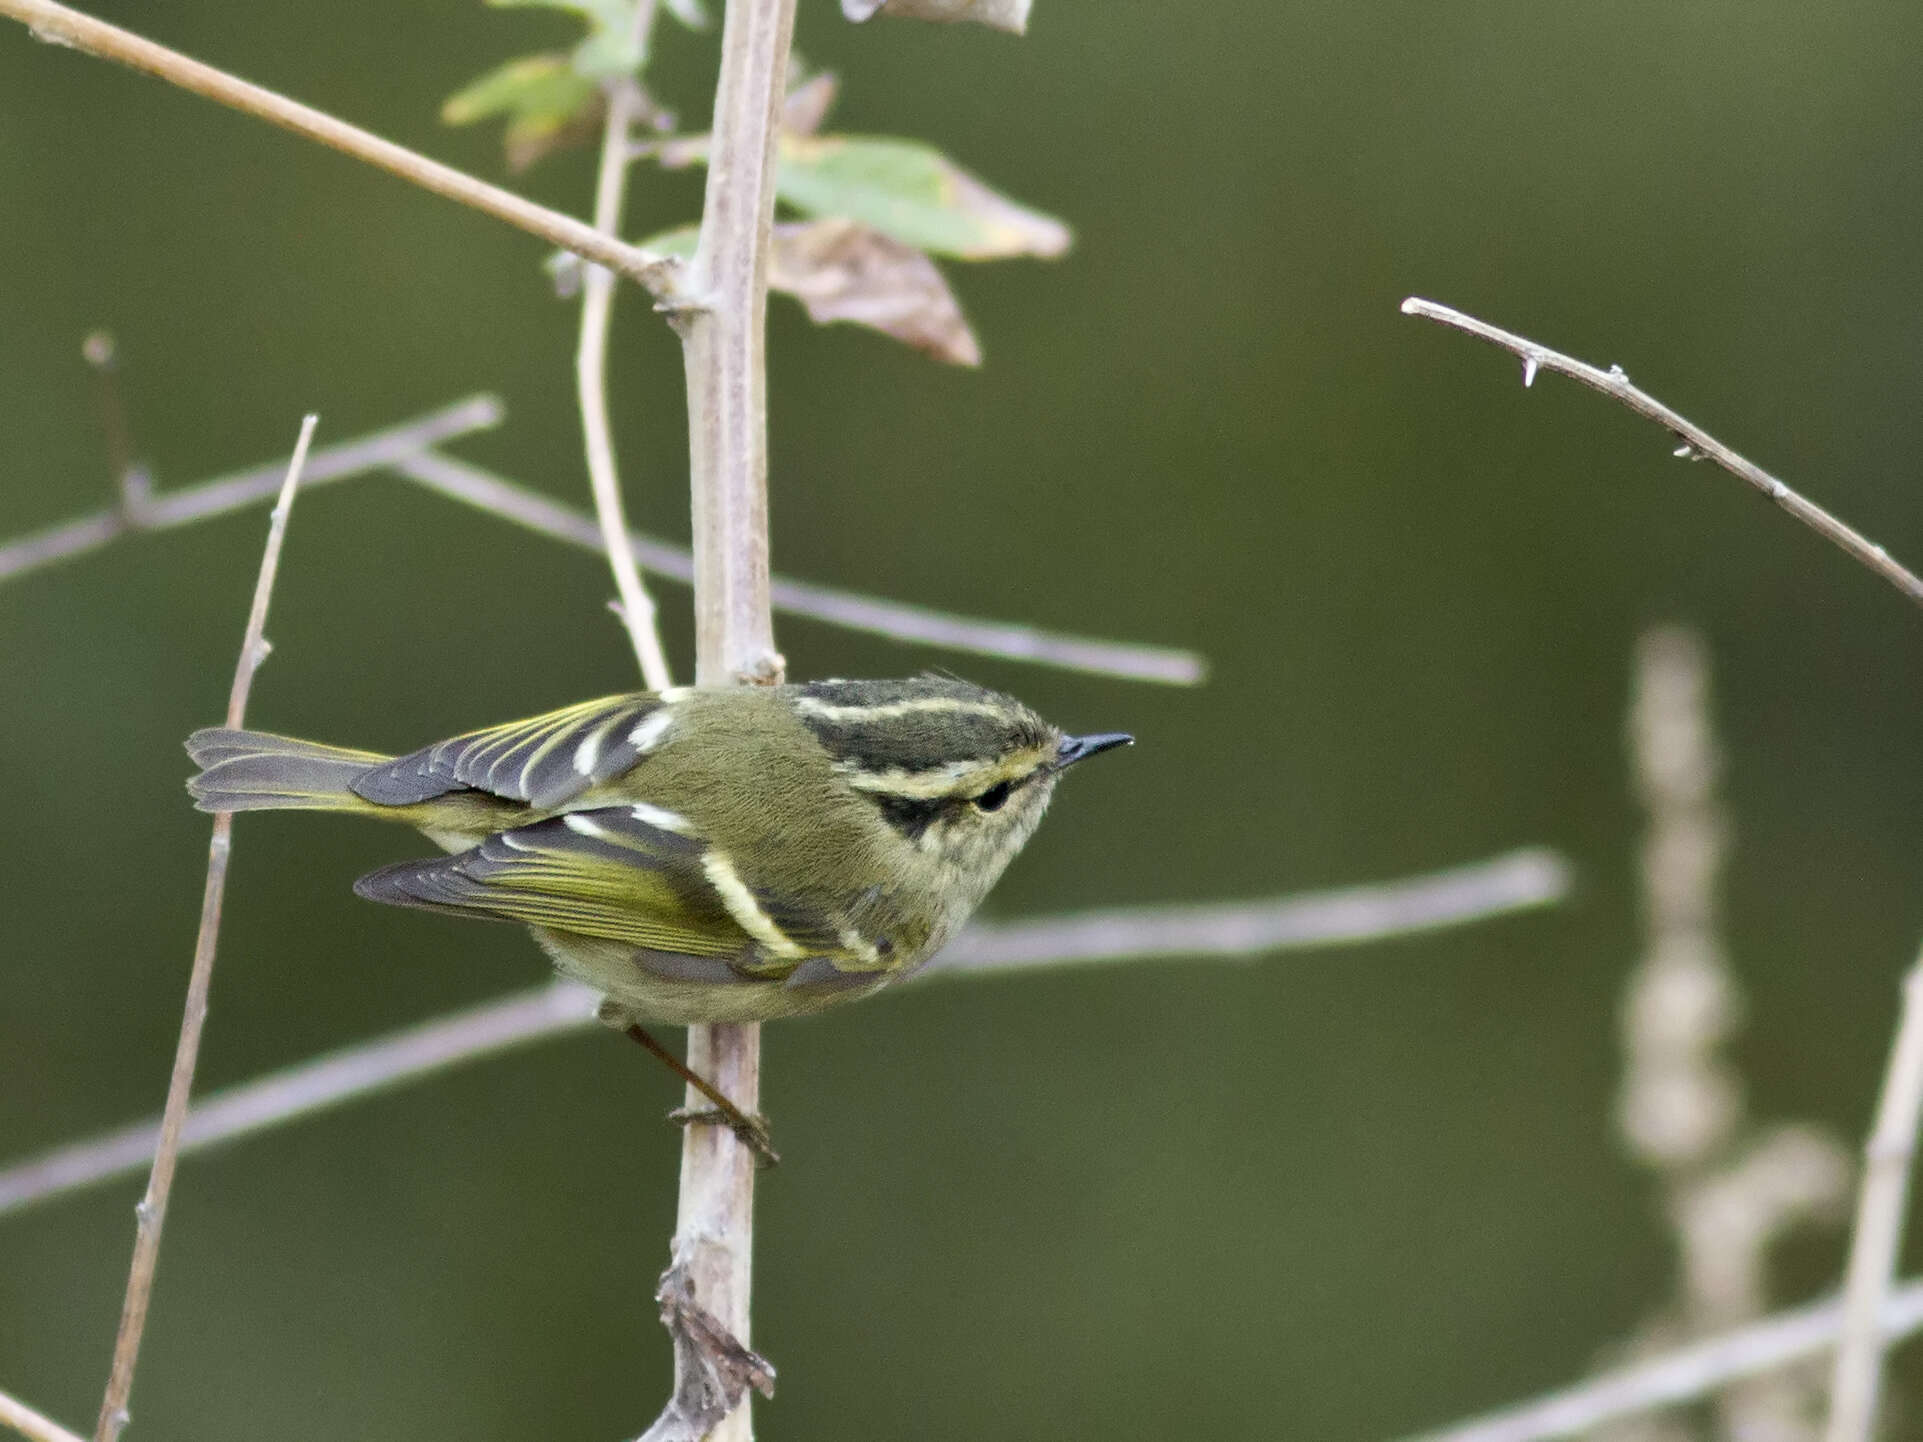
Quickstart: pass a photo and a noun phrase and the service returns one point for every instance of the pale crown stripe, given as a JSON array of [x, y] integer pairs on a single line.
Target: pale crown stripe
[[662, 818], [742, 905], [828, 711], [645, 737]]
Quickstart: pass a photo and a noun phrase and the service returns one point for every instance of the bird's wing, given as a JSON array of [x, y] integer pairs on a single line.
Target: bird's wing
[[631, 874], [545, 761]]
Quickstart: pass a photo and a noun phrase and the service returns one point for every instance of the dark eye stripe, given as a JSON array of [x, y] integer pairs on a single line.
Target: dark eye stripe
[[911, 815]]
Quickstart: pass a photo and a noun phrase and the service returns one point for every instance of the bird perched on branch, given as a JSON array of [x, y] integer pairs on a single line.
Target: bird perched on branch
[[699, 855]]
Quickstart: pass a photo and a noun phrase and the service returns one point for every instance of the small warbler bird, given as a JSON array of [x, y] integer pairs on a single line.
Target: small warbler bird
[[698, 855]]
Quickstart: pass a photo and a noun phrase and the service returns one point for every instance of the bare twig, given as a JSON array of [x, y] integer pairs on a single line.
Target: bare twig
[[152, 1211], [31, 1424], [1696, 443], [245, 488], [1879, 1227], [724, 350], [591, 378], [914, 625], [62, 26], [1683, 1375], [1235, 931]]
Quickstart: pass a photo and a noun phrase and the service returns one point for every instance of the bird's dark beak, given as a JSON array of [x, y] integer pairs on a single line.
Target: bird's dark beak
[[1080, 748]]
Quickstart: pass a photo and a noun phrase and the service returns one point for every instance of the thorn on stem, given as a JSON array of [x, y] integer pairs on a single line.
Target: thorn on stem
[[1530, 365]]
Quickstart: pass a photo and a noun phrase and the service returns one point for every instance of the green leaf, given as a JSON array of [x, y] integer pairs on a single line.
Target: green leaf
[[548, 102], [531, 87], [915, 194]]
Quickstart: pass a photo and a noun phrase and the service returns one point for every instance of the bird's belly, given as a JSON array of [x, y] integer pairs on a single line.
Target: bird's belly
[[688, 990]]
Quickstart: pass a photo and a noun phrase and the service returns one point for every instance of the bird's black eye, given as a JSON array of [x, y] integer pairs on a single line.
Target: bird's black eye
[[994, 796]]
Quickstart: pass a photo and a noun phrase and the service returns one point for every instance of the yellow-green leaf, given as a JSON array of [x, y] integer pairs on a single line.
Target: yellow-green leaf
[[913, 193], [533, 85]]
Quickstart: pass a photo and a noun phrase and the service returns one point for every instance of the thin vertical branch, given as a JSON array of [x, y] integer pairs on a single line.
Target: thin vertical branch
[[152, 1211], [725, 355], [1879, 1227], [591, 376]]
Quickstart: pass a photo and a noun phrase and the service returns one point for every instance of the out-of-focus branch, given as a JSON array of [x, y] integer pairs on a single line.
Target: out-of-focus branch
[[31, 1424], [591, 376], [201, 502], [1520, 881], [1696, 443], [408, 450], [348, 1074], [1684, 1375], [1232, 931], [1879, 1227], [62, 26], [913, 625], [152, 1211]]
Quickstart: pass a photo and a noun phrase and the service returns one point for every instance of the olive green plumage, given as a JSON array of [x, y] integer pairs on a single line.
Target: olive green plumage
[[699, 855]]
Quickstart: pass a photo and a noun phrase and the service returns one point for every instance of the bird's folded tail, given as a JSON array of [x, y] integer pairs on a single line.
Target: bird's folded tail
[[257, 771]]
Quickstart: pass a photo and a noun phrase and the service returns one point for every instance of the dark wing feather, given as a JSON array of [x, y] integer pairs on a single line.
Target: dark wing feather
[[545, 761], [610, 872]]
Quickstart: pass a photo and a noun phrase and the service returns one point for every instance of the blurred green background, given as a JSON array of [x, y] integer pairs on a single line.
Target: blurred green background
[[1337, 1196]]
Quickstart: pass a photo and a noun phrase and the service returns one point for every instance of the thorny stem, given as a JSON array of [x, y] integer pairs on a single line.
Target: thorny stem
[[62, 26], [1697, 443], [152, 1211]]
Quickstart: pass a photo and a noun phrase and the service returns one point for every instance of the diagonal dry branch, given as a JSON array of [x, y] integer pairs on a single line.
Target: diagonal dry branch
[[897, 620], [35, 1426], [1228, 931], [60, 25], [1696, 443], [151, 1214], [408, 449]]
